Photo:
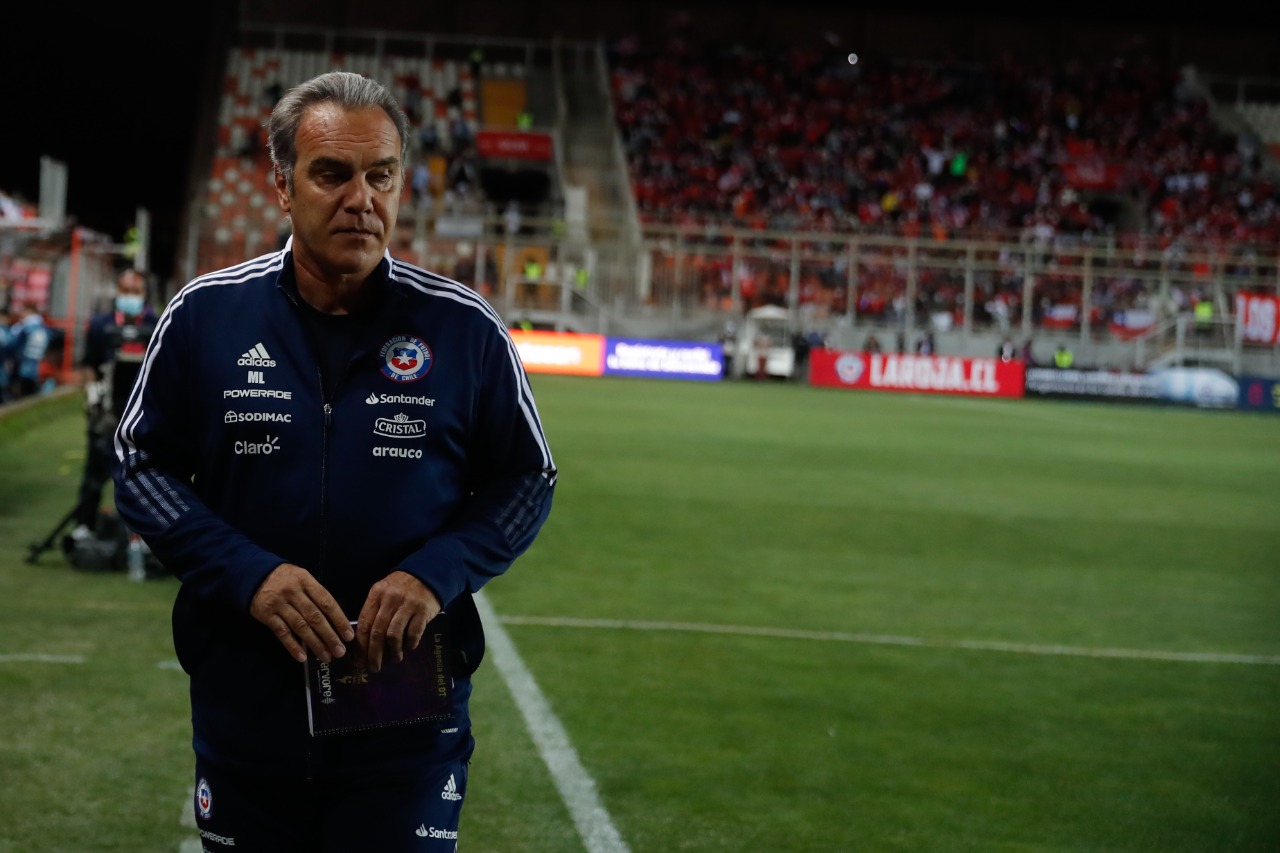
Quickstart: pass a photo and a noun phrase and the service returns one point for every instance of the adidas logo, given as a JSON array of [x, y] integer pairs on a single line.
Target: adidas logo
[[256, 357], [450, 791]]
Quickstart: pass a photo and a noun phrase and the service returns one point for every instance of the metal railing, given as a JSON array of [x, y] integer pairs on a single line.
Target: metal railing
[[690, 281]]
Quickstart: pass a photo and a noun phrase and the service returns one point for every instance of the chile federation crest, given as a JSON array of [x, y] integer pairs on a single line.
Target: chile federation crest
[[405, 358], [204, 798]]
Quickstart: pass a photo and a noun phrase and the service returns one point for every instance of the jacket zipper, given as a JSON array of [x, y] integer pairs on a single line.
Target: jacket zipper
[[315, 750]]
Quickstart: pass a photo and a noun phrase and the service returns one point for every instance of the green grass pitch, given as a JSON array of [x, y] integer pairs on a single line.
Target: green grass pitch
[[770, 617]]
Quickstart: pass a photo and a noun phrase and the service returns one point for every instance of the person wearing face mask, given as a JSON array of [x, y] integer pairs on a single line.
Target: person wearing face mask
[[114, 346], [27, 345]]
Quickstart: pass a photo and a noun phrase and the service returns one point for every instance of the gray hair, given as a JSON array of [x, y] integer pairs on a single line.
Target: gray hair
[[348, 90]]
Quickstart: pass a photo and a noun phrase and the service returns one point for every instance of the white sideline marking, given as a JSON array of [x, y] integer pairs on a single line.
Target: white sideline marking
[[577, 789], [187, 820], [188, 817], [890, 640], [37, 657]]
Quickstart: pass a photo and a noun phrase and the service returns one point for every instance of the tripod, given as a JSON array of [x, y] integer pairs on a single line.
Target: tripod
[[37, 548], [96, 473]]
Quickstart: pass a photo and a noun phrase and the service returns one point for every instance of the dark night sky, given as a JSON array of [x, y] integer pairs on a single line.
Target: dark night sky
[[117, 104]]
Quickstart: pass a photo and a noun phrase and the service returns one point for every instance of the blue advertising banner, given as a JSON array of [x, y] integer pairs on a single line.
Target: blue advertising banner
[[664, 359], [1259, 395]]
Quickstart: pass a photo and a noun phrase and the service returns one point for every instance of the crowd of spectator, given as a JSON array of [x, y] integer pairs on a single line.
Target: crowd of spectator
[[24, 341], [805, 138], [24, 337], [1053, 156]]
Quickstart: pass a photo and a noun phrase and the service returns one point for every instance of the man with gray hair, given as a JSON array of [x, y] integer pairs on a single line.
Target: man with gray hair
[[332, 450]]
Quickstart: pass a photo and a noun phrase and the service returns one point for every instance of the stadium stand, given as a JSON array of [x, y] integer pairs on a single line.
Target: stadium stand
[[1096, 199], [800, 139], [1050, 158]]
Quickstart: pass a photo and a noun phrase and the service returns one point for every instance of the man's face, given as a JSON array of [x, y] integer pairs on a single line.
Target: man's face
[[346, 190], [130, 284]]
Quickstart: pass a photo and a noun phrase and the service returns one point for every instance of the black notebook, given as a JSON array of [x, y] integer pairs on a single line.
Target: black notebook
[[344, 696]]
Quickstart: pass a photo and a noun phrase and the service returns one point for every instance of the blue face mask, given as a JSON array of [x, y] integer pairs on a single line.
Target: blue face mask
[[129, 304]]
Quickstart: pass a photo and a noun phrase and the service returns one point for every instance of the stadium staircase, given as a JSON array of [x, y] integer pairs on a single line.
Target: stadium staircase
[[1180, 342], [1247, 108], [602, 233]]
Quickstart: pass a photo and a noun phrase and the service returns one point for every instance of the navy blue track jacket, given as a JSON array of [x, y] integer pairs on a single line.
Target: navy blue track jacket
[[428, 456]]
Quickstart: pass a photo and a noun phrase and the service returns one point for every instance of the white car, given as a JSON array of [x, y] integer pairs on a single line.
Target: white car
[[764, 344], [1206, 387]]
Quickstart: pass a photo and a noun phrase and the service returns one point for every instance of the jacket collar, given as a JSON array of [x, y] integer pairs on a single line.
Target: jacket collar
[[288, 277]]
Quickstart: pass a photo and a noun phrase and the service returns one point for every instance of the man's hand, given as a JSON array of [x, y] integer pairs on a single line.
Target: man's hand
[[394, 618], [302, 614]]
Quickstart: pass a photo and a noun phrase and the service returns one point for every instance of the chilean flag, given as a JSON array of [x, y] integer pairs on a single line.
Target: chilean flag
[[1060, 316]]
